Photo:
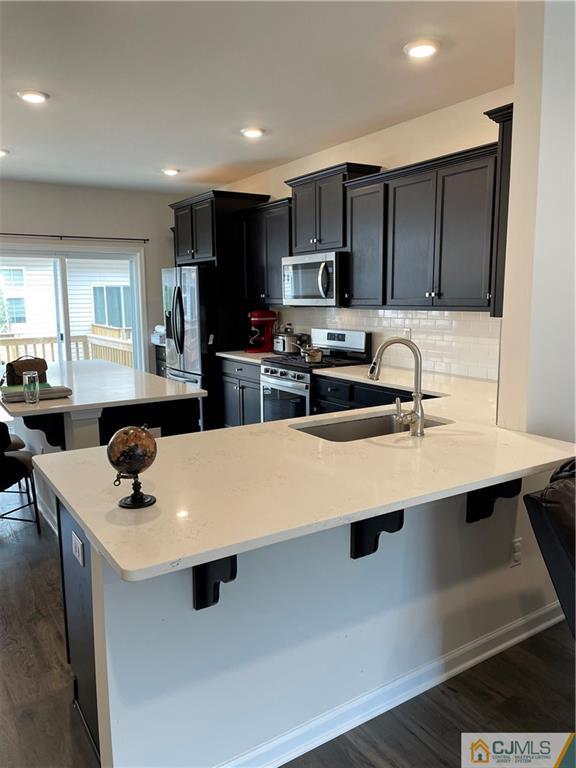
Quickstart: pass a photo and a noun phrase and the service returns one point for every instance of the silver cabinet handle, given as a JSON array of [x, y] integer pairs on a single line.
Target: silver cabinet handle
[[430, 294], [321, 272], [238, 369], [311, 239]]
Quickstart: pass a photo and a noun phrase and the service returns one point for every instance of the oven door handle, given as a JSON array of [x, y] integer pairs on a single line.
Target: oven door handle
[[284, 386], [321, 273]]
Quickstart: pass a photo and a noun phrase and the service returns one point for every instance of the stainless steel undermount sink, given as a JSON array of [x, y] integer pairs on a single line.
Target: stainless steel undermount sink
[[346, 430]]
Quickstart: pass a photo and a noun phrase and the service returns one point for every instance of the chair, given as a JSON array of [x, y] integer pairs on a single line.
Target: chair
[[551, 513], [15, 467]]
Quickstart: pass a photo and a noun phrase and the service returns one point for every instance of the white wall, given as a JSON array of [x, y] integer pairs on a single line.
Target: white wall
[[537, 382], [38, 208], [447, 130]]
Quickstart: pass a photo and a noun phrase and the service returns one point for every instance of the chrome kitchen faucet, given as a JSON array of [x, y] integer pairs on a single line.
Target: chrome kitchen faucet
[[415, 417]]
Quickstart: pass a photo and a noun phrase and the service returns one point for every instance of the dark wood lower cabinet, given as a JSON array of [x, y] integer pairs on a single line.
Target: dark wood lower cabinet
[[250, 393], [332, 395], [77, 592], [240, 398]]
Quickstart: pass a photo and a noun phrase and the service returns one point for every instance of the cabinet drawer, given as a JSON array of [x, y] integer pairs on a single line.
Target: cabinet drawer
[[364, 397], [325, 406], [250, 371], [330, 389]]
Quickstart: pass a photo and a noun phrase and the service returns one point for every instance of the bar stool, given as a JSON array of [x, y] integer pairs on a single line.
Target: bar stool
[[15, 467]]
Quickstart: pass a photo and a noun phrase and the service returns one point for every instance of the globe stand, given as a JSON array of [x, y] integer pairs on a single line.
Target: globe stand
[[137, 499]]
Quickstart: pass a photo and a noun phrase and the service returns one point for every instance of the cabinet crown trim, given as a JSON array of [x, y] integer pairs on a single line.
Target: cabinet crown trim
[[500, 114], [333, 170], [270, 206], [215, 194], [485, 150]]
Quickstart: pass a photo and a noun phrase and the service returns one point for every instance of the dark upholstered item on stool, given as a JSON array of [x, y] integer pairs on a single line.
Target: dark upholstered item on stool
[[551, 513], [16, 466], [16, 443]]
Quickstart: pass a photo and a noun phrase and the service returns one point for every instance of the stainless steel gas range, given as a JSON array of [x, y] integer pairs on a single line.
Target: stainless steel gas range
[[286, 381]]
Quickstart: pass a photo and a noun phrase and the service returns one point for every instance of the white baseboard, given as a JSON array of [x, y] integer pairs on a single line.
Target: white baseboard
[[337, 721]]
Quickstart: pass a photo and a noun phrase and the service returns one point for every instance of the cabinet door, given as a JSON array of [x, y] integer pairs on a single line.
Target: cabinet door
[[464, 210], [203, 230], [231, 405], [255, 258], [183, 234], [304, 218], [410, 249], [277, 237], [366, 213], [77, 589], [250, 402], [330, 213]]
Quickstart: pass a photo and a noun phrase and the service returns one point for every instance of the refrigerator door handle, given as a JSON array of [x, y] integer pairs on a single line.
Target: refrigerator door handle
[[181, 319], [175, 334]]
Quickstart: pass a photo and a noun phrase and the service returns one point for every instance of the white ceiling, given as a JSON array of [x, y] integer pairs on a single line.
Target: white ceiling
[[138, 86]]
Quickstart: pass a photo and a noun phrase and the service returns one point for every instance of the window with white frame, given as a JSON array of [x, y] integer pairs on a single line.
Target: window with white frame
[[15, 310], [12, 299], [112, 305]]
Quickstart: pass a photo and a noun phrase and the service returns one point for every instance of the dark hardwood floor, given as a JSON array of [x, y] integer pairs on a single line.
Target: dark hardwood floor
[[529, 687]]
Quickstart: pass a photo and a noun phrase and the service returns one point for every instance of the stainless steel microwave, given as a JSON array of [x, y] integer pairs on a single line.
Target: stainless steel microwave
[[315, 280]]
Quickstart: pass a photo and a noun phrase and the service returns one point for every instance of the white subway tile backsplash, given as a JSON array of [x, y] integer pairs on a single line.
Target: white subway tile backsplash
[[460, 343]]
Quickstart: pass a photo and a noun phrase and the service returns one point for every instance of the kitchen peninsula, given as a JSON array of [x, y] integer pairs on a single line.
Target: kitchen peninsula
[[324, 622]]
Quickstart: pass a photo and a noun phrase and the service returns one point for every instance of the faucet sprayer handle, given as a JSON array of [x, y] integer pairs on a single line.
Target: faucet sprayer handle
[[398, 406]]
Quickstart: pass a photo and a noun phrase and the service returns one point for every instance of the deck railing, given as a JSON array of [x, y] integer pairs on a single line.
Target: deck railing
[[88, 347]]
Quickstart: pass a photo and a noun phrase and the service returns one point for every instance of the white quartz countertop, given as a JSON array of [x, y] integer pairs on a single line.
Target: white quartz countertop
[[245, 357], [99, 384], [232, 490]]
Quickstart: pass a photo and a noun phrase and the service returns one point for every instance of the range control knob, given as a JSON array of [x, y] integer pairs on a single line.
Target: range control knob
[[266, 370], [299, 376], [274, 371], [283, 373]]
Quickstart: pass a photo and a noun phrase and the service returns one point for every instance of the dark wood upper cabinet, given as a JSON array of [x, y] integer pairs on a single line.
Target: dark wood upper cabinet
[[503, 116], [434, 236], [304, 218], [255, 257], [209, 227], [410, 240], [330, 216], [277, 238], [266, 243], [366, 214], [319, 209], [183, 234], [464, 207], [203, 230]]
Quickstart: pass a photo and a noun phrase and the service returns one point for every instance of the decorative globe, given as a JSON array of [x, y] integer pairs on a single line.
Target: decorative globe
[[131, 450]]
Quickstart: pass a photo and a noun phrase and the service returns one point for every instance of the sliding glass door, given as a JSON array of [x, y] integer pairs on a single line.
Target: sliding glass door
[[70, 305]]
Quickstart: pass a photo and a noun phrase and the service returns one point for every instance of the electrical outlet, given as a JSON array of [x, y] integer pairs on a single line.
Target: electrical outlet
[[78, 549], [516, 557]]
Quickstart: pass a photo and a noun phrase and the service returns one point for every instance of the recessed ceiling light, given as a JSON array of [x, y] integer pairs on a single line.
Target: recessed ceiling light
[[33, 97], [421, 49], [252, 133], [170, 171], [4, 152]]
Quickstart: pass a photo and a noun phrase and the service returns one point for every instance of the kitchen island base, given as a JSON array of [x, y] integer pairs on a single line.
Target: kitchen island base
[[307, 642]]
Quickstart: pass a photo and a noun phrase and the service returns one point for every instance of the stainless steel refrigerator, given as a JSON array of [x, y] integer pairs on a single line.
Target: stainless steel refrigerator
[[187, 337]]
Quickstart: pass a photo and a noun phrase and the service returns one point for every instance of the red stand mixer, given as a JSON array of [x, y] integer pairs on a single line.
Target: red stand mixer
[[262, 322]]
